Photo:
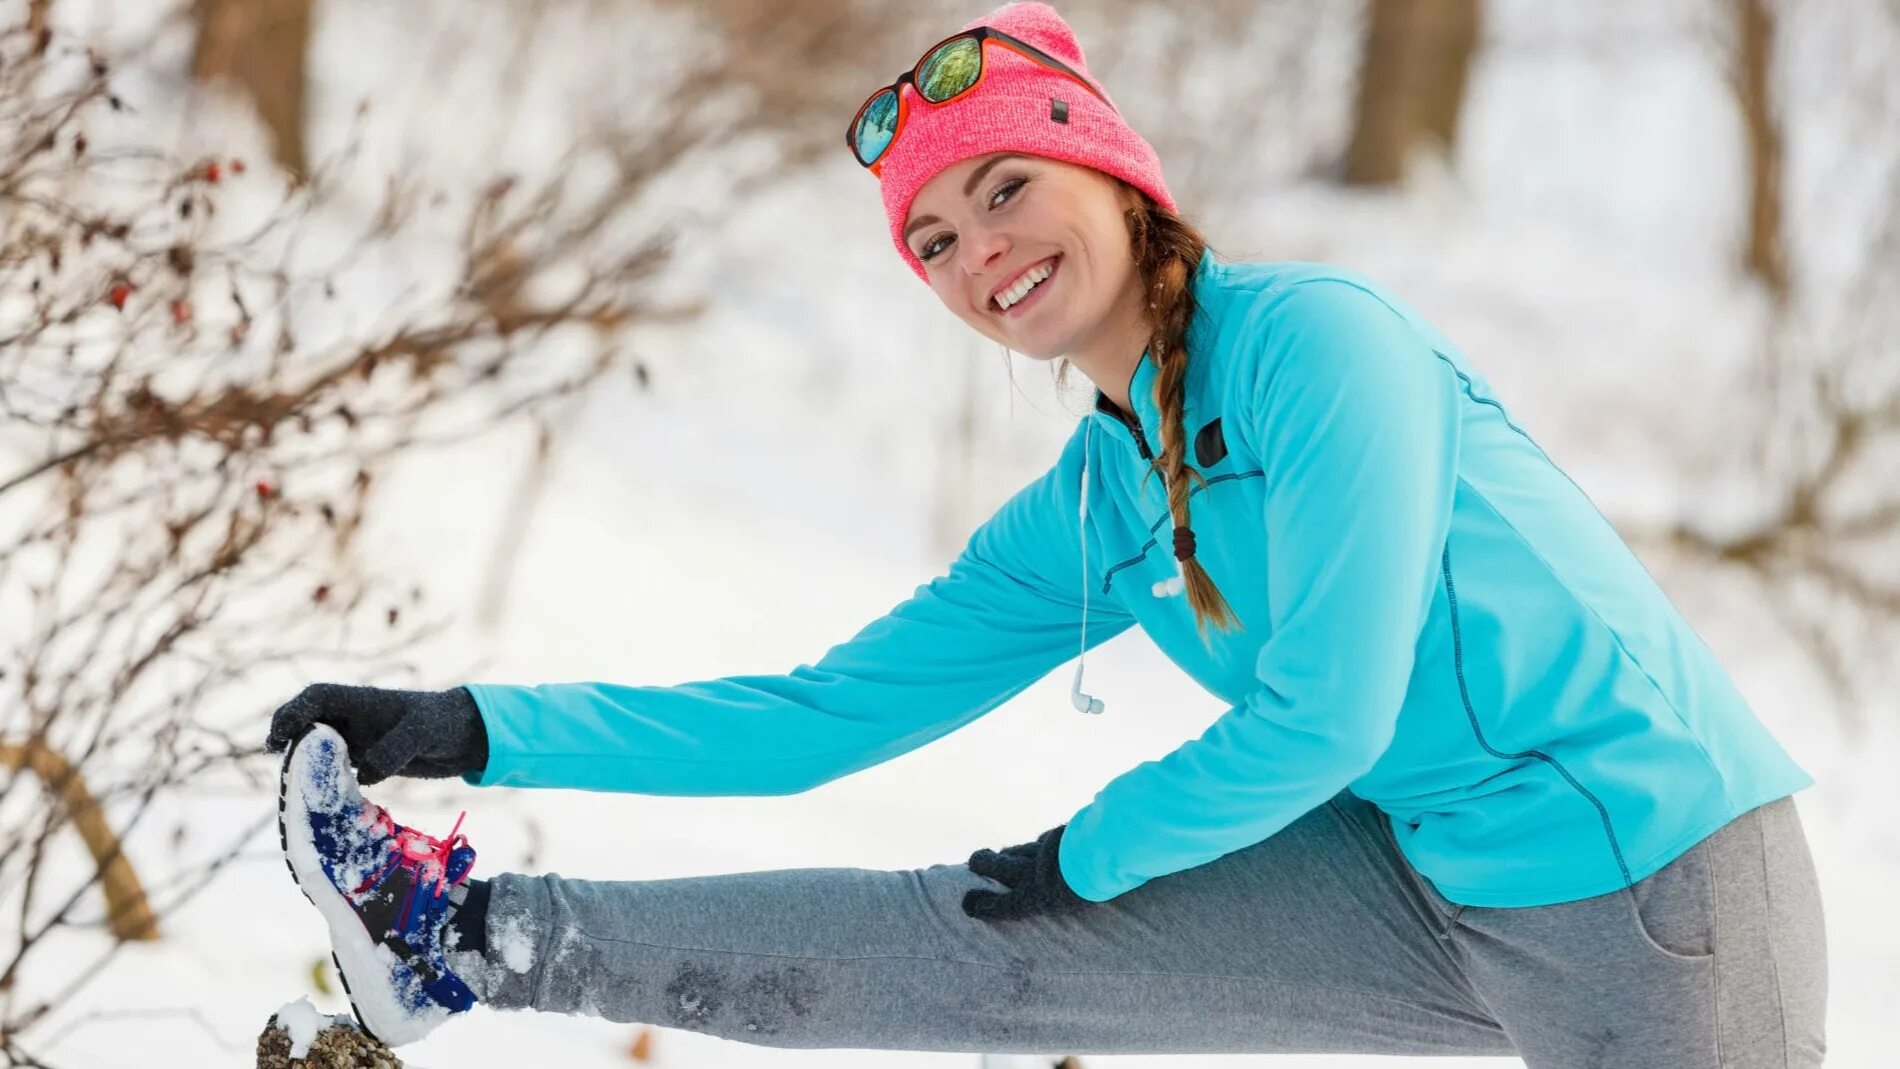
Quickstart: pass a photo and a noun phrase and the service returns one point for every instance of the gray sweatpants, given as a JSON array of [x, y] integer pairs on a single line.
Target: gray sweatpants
[[1322, 938]]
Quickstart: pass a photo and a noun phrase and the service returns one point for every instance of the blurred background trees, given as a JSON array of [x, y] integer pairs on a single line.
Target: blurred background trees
[[321, 320], [198, 412]]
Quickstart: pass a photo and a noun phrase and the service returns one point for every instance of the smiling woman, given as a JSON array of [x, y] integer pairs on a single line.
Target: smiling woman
[[1479, 789], [1057, 259]]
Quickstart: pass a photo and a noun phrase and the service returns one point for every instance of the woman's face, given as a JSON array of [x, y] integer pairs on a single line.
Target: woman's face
[[982, 225]]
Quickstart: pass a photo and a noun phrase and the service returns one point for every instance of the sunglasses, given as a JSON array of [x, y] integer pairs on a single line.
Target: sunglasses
[[948, 70]]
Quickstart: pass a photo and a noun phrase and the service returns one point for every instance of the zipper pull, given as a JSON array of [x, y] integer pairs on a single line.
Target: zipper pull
[[1133, 423]]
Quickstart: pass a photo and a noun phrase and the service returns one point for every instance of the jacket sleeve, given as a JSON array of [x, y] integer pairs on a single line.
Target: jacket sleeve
[[1006, 612], [1358, 425]]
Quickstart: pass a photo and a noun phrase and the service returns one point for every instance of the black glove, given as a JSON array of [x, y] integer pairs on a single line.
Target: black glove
[[431, 734], [1035, 882]]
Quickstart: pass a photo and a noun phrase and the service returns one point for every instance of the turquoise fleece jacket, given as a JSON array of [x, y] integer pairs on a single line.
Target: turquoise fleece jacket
[[1432, 615]]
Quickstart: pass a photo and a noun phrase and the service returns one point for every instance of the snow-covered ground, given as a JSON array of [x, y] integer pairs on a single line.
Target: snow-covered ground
[[775, 492], [625, 580]]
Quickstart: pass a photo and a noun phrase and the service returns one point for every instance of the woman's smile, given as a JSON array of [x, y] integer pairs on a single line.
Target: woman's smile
[[1033, 296]]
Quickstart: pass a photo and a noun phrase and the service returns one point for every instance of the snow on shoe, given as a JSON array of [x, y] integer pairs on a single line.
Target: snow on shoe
[[381, 887]]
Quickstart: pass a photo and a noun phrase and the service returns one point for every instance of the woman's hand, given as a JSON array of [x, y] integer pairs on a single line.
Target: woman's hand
[[426, 734], [1034, 879]]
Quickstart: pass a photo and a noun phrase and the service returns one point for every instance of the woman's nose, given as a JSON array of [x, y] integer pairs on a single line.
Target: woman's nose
[[984, 250]]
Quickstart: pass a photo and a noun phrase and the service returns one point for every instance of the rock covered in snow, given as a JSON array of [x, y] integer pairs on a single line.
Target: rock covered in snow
[[298, 1037]]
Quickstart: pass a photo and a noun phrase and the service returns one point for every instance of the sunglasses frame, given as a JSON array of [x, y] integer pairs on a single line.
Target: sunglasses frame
[[983, 35]]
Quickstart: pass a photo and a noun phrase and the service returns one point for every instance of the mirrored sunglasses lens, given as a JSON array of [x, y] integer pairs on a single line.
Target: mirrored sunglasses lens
[[876, 127], [950, 69]]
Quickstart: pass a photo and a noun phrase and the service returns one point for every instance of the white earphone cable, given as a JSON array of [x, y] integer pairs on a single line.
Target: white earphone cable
[[1084, 703]]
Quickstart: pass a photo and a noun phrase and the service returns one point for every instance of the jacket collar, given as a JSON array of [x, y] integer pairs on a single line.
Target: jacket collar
[[1141, 401], [1141, 383]]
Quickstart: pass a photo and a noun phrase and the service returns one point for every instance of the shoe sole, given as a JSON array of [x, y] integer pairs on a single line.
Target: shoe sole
[[346, 930]]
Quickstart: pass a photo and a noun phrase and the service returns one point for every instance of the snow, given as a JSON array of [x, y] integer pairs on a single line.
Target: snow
[[512, 942], [774, 493], [304, 1024]]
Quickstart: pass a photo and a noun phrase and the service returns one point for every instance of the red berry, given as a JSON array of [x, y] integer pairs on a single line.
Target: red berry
[[120, 291], [213, 172], [265, 489], [181, 311]]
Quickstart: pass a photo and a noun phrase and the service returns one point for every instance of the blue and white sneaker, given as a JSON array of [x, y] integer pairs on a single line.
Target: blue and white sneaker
[[381, 887]]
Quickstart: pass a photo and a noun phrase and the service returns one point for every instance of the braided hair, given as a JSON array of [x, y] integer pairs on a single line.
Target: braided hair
[[1167, 249]]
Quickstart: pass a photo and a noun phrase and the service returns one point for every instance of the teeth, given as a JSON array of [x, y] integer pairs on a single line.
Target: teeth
[[1024, 285]]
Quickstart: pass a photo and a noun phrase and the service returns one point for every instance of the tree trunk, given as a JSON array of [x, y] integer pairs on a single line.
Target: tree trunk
[[1412, 78], [127, 912], [1764, 256], [261, 45]]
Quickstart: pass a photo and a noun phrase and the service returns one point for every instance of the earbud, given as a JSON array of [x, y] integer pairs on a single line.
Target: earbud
[[1083, 703]]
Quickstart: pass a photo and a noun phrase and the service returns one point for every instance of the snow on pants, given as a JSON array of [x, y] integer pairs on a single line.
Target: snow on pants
[[1321, 938]]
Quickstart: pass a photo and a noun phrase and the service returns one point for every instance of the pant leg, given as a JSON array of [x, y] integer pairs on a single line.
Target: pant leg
[[1316, 939], [1717, 959]]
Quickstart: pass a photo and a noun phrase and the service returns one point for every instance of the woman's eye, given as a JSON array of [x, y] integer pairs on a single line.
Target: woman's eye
[[1010, 187], [931, 248]]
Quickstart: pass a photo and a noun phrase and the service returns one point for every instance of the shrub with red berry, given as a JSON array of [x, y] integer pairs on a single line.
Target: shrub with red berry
[[150, 343]]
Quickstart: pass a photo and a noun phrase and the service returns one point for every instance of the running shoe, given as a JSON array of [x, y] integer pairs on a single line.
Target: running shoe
[[382, 888]]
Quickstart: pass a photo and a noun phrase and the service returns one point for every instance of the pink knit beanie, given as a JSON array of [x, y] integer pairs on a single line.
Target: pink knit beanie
[[1015, 110]]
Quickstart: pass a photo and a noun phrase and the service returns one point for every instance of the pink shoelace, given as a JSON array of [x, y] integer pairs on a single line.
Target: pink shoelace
[[423, 854]]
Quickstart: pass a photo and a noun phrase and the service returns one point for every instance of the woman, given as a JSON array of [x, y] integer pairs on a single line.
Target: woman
[[1481, 789]]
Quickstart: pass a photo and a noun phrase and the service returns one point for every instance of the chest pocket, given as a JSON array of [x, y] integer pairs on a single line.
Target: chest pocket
[[1210, 447]]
